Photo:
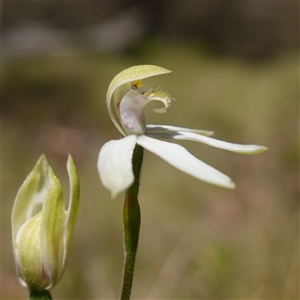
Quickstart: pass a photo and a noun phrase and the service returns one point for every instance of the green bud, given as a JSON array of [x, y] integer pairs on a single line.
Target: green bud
[[41, 227]]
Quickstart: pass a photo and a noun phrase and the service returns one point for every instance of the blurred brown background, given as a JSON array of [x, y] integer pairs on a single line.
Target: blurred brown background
[[235, 71]]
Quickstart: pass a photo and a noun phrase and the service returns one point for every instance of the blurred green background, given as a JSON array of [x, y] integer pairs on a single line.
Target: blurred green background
[[235, 71]]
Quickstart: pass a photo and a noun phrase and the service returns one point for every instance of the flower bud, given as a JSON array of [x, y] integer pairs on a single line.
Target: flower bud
[[41, 227]]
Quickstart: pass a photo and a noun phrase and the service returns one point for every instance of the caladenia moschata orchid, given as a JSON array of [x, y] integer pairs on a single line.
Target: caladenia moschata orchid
[[120, 161], [42, 228]]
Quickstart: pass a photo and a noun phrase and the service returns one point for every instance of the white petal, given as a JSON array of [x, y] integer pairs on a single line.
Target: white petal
[[115, 166], [181, 159], [168, 131], [243, 149]]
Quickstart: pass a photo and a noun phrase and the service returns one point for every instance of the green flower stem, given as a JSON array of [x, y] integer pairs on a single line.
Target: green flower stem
[[132, 221], [40, 295]]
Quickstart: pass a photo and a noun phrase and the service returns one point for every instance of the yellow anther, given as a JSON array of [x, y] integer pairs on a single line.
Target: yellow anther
[[137, 84]]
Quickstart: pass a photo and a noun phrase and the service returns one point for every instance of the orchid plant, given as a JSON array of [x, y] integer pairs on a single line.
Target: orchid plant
[[120, 161]]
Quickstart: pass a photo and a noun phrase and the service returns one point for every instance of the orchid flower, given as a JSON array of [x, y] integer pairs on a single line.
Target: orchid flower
[[126, 100]]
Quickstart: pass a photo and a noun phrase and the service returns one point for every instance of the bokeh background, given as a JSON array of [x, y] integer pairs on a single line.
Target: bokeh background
[[235, 71]]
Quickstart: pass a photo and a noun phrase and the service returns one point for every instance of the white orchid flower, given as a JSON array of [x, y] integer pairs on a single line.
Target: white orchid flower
[[41, 227], [126, 101]]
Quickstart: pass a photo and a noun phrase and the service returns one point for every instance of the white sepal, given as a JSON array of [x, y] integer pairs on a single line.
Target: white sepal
[[115, 164], [181, 159]]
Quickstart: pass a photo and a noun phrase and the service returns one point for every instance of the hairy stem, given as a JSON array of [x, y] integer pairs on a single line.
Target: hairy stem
[[132, 221], [40, 295]]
